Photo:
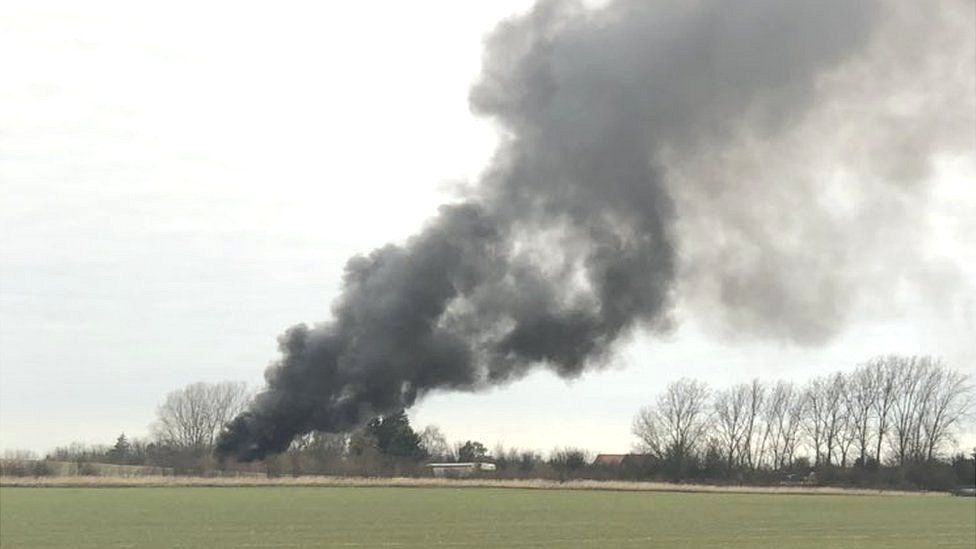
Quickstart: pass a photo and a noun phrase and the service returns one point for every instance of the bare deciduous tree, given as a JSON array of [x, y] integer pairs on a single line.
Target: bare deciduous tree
[[752, 443], [730, 421], [649, 430], [815, 398], [784, 416], [433, 442], [833, 416], [912, 388], [951, 401], [774, 413], [862, 391], [193, 416], [848, 435], [797, 407], [677, 424], [884, 373]]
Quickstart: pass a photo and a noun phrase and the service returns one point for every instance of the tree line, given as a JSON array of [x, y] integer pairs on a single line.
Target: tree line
[[890, 422], [181, 439], [893, 413], [189, 420]]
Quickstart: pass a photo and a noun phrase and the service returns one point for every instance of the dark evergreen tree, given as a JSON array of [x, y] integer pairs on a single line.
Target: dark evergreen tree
[[394, 436], [120, 452], [472, 450]]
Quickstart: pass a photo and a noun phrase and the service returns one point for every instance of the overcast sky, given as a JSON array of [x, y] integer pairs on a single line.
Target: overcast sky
[[182, 181]]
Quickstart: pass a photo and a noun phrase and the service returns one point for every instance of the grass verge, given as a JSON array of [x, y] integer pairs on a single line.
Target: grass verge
[[411, 482]]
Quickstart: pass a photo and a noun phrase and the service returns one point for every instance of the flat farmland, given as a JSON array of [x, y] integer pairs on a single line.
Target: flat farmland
[[471, 517]]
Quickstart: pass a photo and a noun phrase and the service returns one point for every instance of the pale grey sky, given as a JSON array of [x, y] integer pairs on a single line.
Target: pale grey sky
[[182, 181]]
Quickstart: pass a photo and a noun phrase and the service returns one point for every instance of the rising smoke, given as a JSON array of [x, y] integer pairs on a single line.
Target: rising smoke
[[653, 153]]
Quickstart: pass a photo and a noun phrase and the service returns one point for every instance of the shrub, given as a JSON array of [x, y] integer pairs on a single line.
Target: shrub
[[41, 468]]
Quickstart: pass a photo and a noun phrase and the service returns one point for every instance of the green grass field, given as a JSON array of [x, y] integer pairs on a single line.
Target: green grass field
[[446, 517]]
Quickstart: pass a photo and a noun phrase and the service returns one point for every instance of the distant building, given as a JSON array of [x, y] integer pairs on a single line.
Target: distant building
[[793, 479], [460, 470], [610, 460]]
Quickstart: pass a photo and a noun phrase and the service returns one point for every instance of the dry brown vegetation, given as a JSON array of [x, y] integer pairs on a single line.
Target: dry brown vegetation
[[11, 467], [405, 482]]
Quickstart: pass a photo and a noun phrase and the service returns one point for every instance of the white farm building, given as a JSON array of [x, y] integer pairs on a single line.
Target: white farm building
[[460, 470]]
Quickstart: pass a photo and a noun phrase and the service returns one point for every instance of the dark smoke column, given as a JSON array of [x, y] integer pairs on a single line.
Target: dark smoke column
[[567, 242]]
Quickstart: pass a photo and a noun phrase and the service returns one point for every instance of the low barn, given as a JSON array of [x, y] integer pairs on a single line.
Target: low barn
[[609, 460], [460, 470]]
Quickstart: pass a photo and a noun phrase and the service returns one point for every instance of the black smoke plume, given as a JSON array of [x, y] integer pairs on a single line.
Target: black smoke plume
[[625, 184]]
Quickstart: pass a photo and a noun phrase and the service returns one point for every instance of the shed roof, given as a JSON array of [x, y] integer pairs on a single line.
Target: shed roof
[[609, 459]]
